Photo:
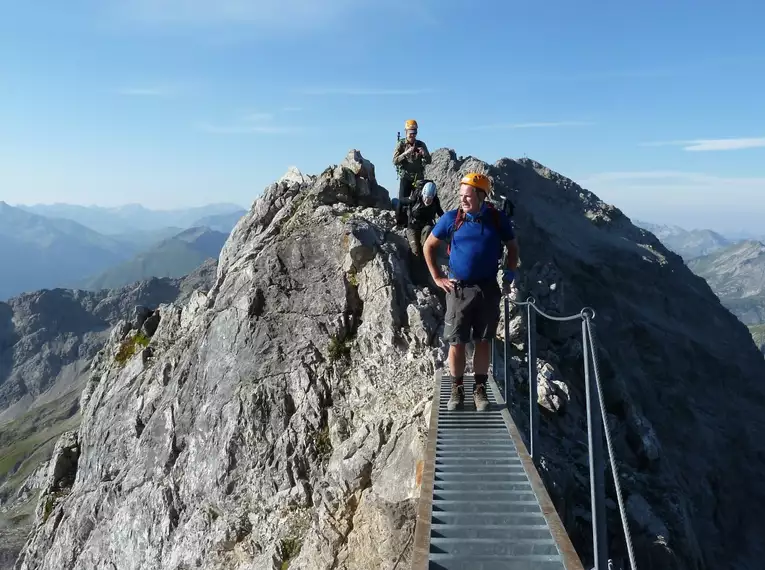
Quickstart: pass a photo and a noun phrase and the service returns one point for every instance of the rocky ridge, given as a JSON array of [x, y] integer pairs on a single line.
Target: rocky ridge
[[683, 381], [737, 275], [49, 336], [279, 420], [48, 339]]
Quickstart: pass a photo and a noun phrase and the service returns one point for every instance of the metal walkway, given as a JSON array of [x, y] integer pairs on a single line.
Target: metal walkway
[[482, 503]]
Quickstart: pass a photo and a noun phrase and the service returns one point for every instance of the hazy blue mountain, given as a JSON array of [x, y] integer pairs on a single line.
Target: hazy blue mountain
[[732, 266], [687, 243], [758, 334], [736, 274], [37, 252], [221, 222], [173, 257], [141, 240], [130, 217]]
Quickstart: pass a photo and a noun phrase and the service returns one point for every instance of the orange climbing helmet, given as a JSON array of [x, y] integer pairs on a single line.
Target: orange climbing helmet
[[477, 180], [410, 125]]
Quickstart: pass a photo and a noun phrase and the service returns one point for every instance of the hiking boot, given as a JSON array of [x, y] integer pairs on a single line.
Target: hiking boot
[[479, 397], [457, 398]]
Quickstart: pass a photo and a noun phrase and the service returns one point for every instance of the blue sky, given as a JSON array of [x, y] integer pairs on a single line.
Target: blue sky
[[655, 106]]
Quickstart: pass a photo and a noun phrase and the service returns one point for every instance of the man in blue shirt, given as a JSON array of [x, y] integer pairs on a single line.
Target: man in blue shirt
[[477, 232]]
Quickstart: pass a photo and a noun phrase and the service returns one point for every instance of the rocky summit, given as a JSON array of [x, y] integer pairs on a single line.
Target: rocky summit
[[279, 419]]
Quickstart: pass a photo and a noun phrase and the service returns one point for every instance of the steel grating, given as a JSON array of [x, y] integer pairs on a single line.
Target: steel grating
[[482, 504]]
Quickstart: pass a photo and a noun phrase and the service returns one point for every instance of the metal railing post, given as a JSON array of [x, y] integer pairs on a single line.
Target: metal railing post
[[507, 351], [597, 476], [493, 370], [531, 326]]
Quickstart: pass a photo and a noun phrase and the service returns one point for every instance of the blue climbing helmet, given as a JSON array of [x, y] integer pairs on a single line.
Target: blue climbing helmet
[[428, 192]]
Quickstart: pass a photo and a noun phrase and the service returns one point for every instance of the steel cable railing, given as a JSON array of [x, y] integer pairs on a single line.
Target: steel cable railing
[[597, 424]]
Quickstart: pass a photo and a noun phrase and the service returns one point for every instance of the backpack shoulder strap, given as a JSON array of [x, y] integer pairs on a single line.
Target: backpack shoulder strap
[[458, 221], [496, 218]]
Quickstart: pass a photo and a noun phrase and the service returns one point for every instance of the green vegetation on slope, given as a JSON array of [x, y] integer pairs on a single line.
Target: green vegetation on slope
[[173, 257], [758, 334], [25, 443], [28, 440], [736, 274]]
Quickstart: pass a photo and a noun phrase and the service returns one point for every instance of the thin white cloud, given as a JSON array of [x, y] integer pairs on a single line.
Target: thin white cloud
[[697, 145], [655, 72], [271, 16], [532, 125], [256, 117], [247, 129], [361, 91], [697, 179], [249, 123], [145, 91], [687, 199], [684, 190]]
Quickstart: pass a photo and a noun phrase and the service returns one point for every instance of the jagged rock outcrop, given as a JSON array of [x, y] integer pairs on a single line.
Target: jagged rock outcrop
[[683, 383], [279, 420], [47, 343]]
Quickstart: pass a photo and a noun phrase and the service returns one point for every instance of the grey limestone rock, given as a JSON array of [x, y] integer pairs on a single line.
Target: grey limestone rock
[[281, 416], [679, 375], [51, 344], [277, 418]]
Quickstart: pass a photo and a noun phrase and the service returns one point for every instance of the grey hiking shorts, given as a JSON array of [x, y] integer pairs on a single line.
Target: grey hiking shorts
[[472, 312]]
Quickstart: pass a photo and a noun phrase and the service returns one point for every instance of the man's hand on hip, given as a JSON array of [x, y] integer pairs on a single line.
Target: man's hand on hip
[[444, 283]]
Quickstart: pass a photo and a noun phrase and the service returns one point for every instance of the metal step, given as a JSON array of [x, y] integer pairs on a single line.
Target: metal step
[[484, 512], [452, 562]]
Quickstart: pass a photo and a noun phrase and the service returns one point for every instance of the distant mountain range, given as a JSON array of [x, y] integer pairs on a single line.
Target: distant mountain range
[[173, 257], [38, 252], [736, 273], [734, 267], [688, 243], [93, 247], [133, 217]]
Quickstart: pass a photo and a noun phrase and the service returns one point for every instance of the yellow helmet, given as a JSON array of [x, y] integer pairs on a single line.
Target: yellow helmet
[[411, 124], [477, 180]]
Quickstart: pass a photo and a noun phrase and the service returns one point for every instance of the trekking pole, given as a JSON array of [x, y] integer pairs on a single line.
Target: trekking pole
[[398, 140], [531, 326]]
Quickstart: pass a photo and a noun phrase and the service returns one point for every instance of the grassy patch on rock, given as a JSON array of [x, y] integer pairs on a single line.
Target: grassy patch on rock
[[130, 346], [28, 440], [290, 548], [339, 347], [322, 443]]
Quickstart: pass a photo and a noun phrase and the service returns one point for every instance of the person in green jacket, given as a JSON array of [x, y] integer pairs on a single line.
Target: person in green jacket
[[409, 157]]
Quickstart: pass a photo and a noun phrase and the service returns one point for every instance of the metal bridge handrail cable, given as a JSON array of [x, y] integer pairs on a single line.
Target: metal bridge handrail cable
[[594, 424]]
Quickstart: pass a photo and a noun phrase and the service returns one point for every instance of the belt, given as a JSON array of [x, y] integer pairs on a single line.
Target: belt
[[462, 283]]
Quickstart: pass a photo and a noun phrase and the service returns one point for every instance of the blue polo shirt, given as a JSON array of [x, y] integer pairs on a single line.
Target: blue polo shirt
[[476, 247]]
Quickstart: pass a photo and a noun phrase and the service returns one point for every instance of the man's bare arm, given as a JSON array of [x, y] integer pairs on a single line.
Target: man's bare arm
[[429, 252], [513, 254]]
